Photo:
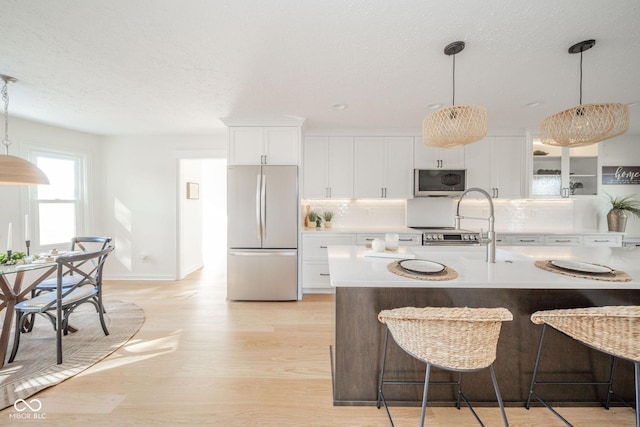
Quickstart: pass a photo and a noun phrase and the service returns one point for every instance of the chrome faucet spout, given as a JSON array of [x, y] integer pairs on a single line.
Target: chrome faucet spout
[[491, 235]]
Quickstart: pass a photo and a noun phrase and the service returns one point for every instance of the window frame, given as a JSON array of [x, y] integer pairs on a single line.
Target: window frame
[[81, 203]]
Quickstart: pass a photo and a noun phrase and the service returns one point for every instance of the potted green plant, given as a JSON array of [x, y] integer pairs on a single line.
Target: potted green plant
[[327, 216], [315, 218], [620, 207]]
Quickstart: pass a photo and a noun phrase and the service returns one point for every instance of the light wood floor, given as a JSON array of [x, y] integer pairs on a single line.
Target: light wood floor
[[200, 360]]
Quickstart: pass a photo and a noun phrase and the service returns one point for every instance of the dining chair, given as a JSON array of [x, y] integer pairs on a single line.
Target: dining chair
[[59, 305], [83, 244]]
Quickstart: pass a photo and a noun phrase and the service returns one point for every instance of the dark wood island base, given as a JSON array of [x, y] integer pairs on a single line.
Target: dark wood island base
[[360, 337]]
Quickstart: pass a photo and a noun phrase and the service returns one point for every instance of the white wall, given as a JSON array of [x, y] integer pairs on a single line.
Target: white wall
[[27, 134], [141, 200]]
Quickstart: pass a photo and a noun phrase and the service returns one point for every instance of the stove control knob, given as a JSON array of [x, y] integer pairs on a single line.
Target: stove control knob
[[440, 237], [429, 237], [465, 237]]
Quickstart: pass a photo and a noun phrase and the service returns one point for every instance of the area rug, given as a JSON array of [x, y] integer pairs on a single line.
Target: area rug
[[35, 368]]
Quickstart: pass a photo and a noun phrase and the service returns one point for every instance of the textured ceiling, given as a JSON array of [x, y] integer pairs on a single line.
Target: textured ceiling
[[178, 66]]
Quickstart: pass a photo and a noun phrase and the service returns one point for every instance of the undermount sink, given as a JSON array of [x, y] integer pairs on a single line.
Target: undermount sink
[[473, 253]]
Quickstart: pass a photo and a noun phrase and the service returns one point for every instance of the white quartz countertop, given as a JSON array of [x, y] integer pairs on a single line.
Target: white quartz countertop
[[514, 267]]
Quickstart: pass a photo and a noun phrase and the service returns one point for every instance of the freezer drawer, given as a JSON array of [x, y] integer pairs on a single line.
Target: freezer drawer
[[262, 275]]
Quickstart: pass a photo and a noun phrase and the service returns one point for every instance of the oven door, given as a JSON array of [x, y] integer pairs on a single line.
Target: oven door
[[439, 182]]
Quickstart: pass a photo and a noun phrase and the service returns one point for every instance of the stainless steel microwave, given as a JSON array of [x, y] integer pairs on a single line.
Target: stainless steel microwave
[[439, 182]]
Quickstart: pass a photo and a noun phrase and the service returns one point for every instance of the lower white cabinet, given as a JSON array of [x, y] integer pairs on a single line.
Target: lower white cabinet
[[563, 240], [599, 240], [404, 239], [591, 240], [315, 263]]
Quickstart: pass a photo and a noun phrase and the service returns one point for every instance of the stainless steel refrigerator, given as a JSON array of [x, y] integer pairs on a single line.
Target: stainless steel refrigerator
[[262, 233]]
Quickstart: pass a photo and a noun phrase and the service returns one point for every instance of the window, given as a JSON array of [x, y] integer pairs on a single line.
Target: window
[[58, 207]]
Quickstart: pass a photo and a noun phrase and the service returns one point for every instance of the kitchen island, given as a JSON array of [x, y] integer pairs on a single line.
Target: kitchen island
[[364, 287]]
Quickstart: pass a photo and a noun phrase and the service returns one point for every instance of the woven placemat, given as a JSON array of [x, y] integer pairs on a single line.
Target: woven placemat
[[616, 276], [448, 274]]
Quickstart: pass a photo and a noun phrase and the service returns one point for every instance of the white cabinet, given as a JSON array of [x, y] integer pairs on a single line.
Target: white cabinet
[[404, 239], [328, 167], [564, 172], [383, 167], [562, 240], [437, 158], [496, 165], [603, 240], [256, 145], [315, 262]]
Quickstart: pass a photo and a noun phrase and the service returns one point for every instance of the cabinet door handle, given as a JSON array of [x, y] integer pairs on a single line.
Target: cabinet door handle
[[406, 240], [562, 241], [323, 247], [330, 195], [526, 240], [324, 274], [382, 192], [602, 241]]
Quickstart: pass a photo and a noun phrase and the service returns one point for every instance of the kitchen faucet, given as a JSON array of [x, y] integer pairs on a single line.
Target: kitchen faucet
[[491, 235]]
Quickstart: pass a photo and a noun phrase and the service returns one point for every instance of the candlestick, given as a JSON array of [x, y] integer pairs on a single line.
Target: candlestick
[[28, 243], [9, 237], [9, 254]]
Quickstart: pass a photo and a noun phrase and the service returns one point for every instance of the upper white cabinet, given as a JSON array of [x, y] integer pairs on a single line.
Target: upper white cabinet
[[264, 145], [564, 172], [496, 165], [383, 167], [437, 158], [328, 167]]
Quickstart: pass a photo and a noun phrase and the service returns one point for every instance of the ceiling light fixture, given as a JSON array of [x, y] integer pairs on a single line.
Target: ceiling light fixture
[[585, 124], [15, 170], [456, 125]]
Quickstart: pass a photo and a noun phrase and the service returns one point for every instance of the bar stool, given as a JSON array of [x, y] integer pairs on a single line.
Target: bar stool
[[458, 339], [614, 330]]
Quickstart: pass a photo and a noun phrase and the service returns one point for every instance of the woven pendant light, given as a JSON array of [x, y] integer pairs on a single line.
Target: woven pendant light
[[585, 124], [456, 125], [15, 170]]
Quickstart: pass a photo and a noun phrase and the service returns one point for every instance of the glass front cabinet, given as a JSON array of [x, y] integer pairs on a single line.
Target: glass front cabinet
[[564, 172]]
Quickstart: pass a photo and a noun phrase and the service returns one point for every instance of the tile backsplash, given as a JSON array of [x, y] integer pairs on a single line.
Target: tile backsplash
[[517, 215], [361, 212]]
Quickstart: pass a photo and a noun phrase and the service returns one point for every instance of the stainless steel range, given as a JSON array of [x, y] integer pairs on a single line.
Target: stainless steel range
[[432, 236]]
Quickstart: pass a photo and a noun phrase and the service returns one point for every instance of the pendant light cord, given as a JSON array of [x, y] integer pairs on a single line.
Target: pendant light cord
[[5, 98], [580, 78], [453, 101]]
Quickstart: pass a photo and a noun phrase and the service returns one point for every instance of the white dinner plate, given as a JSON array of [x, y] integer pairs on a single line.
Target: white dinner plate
[[582, 267], [421, 266]]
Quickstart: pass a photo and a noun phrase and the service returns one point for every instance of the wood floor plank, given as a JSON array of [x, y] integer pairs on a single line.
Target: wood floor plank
[[200, 360]]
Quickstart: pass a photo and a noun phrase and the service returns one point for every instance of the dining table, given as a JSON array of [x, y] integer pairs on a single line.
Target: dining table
[[11, 294]]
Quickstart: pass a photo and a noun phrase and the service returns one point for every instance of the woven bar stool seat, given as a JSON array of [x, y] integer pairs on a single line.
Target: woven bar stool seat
[[614, 330], [458, 339]]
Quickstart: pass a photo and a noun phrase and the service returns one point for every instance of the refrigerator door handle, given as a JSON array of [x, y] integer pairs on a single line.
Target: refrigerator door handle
[[258, 209], [262, 252], [263, 207]]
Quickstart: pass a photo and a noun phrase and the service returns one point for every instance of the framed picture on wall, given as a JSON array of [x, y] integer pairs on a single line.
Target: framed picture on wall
[[193, 190]]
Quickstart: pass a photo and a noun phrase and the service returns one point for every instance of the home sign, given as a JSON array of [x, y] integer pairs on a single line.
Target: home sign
[[620, 175]]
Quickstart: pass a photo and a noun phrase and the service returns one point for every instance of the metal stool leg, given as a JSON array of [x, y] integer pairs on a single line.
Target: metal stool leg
[[636, 366], [498, 395], [612, 373], [535, 367], [381, 378], [424, 394]]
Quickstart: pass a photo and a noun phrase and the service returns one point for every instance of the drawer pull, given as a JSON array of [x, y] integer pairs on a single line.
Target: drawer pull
[[324, 274], [602, 241], [526, 240], [563, 241], [323, 247], [406, 240]]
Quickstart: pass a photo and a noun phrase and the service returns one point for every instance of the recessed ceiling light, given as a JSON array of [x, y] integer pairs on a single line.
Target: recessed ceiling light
[[434, 106], [633, 104], [339, 107], [533, 104]]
